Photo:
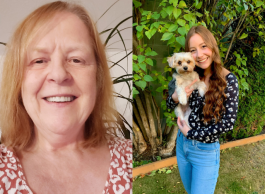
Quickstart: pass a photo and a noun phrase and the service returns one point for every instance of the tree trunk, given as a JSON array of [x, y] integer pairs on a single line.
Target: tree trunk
[[138, 118], [141, 144], [157, 113], [167, 151], [150, 115], [146, 124]]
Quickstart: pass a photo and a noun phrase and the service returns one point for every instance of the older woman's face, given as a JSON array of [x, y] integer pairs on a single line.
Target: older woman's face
[[59, 86]]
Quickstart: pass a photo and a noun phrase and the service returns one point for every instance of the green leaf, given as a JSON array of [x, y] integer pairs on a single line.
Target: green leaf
[[156, 24], [163, 13], [238, 62], [246, 72], [149, 61], [143, 66], [171, 40], [152, 173], [172, 28], [135, 92], [137, 3], [175, 2], [182, 30], [244, 63], [181, 22], [187, 27], [135, 67], [150, 32], [146, 12], [243, 36], [182, 4], [139, 28], [176, 13], [167, 36], [181, 41], [199, 14], [134, 57], [169, 10], [260, 33], [259, 3], [245, 6], [141, 58], [244, 84], [199, 5], [148, 78], [240, 73], [160, 89], [168, 172], [139, 35], [188, 17], [156, 16], [151, 53], [136, 76], [141, 84], [252, 7]]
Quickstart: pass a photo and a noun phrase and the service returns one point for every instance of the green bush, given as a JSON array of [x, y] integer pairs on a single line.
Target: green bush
[[251, 115]]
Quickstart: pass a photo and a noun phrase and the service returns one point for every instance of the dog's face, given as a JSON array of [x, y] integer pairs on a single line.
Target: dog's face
[[182, 62]]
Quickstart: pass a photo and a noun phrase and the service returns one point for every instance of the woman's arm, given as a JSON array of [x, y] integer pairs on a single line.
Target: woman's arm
[[171, 104], [209, 133]]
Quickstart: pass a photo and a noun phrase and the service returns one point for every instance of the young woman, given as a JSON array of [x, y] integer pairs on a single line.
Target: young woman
[[198, 148]]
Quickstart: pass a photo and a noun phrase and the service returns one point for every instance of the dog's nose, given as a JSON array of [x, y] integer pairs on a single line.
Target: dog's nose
[[185, 68]]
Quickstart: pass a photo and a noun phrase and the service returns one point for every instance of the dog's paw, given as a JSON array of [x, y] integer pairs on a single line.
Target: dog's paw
[[183, 100], [202, 89], [201, 92]]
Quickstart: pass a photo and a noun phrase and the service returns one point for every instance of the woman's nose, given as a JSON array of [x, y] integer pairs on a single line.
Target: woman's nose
[[58, 72], [199, 53]]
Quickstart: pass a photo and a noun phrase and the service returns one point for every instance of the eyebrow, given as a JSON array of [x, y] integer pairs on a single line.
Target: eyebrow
[[199, 45], [68, 49]]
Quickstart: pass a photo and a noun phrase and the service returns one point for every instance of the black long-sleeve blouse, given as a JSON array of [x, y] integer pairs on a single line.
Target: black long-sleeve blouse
[[210, 132]]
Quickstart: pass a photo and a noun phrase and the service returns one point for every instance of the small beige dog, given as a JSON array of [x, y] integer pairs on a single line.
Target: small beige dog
[[184, 65]]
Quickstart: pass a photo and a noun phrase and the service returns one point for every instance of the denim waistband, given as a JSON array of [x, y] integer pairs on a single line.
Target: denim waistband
[[193, 141]]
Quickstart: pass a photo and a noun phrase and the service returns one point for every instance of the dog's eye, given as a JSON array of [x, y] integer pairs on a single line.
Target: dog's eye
[[179, 62], [188, 61]]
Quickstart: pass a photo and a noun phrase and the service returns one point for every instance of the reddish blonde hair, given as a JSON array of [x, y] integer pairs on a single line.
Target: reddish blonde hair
[[16, 125], [215, 95]]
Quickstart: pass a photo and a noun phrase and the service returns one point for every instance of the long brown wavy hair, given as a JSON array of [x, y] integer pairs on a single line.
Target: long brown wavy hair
[[215, 96]]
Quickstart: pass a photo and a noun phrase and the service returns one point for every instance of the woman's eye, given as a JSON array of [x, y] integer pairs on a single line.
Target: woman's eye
[[204, 46], [39, 61], [76, 61], [192, 51]]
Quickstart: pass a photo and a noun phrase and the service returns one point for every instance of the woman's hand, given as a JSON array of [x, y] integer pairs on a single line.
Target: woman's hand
[[187, 90], [184, 128]]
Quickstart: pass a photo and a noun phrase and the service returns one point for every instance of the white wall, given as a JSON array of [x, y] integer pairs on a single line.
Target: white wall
[[12, 12]]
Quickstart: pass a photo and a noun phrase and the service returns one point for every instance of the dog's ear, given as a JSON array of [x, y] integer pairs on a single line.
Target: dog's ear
[[170, 61]]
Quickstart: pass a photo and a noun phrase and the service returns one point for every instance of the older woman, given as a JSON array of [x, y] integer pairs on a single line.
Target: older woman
[[56, 97]]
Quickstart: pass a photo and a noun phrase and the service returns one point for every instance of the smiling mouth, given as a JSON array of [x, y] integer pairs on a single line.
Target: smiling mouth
[[203, 60], [60, 98]]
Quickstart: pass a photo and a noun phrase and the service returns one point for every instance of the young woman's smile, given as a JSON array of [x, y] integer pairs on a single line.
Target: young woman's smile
[[201, 53]]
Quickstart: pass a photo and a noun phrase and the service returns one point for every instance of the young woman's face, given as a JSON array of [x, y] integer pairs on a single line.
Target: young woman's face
[[200, 52], [59, 85]]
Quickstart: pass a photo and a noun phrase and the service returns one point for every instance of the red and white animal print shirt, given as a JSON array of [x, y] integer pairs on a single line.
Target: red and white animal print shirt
[[12, 179]]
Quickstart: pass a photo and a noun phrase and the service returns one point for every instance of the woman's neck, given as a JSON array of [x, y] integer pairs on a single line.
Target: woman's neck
[[47, 141]]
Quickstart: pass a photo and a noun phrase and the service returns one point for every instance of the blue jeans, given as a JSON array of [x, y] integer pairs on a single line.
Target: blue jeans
[[198, 164]]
